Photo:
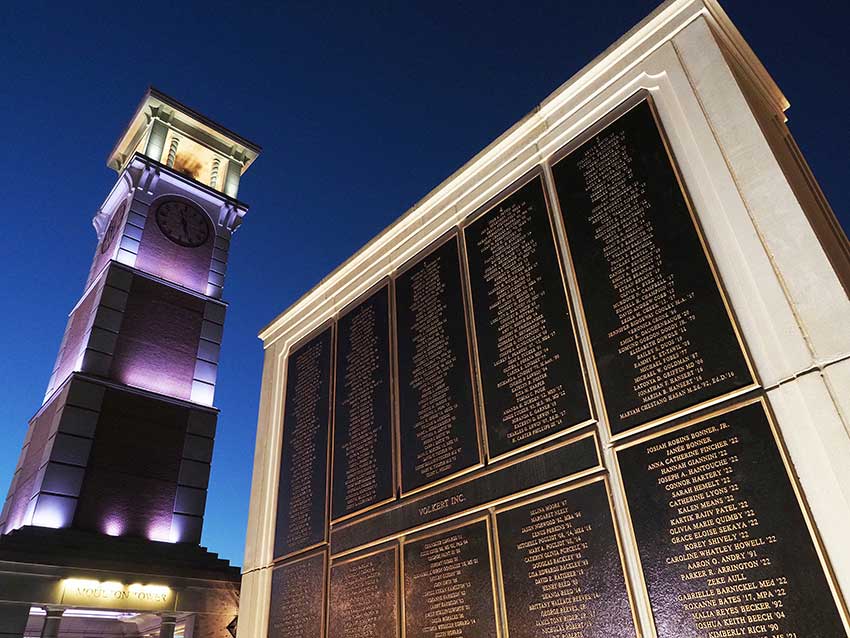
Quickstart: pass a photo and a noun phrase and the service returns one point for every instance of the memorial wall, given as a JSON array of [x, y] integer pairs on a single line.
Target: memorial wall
[[488, 388], [546, 422]]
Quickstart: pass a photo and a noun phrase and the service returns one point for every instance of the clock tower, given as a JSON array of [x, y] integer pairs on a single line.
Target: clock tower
[[122, 444]]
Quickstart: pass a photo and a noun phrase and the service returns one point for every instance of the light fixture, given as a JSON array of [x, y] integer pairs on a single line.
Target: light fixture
[[88, 613]]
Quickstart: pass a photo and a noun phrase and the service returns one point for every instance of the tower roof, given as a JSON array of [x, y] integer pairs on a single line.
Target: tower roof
[[156, 105]]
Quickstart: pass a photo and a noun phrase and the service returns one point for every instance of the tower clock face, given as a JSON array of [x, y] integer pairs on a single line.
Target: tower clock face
[[183, 223], [114, 223]]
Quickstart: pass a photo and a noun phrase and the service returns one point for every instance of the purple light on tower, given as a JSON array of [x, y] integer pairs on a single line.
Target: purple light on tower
[[179, 530], [160, 530], [113, 526], [157, 376], [53, 511]]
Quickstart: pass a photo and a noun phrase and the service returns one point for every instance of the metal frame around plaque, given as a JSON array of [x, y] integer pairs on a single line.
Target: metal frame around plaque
[[398, 581], [541, 496], [452, 234], [509, 191], [308, 554], [727, 408], [330, 323], [529, 493], [599, 125], [391, 389], [441, 528]]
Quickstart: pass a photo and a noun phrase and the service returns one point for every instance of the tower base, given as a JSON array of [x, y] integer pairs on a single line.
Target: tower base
[[105, 586]]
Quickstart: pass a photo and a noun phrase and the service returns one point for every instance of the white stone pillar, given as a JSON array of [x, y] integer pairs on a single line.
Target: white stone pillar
[[231, 179], [156, 140]]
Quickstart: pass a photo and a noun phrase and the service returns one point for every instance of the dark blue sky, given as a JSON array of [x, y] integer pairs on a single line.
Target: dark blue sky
[[361, 110]]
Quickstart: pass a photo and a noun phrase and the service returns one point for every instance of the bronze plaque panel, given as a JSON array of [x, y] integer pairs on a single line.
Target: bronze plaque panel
[[298, 598], [364, 597], [558, 462], [662, 337], [531, 376], [362, 457], [436, 407], [448, 587], [561, 568], [725, 547], [302, 495]]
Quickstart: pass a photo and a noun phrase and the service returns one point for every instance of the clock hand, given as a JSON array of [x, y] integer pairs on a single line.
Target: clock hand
[[185, 226]]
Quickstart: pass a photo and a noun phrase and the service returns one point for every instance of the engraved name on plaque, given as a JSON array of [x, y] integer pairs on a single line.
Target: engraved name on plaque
[[448, 587], [531, 376], [302, 493], [362, 452], [436, 408], [364, 597], [561, 568], [662, 337], [725, 547], [297, 602]]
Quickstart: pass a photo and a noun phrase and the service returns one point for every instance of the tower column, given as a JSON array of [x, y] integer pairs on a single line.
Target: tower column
[[156, 139], [52, 622], [166, 627], [231, 179], [214, 173], [172, 151]]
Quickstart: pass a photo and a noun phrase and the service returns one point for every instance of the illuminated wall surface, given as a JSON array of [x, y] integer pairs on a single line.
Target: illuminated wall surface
[[157, 347], [163, 258], [595, 384], [123, 443]]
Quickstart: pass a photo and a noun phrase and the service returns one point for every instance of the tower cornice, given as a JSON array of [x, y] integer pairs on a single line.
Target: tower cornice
[[144, 174]]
